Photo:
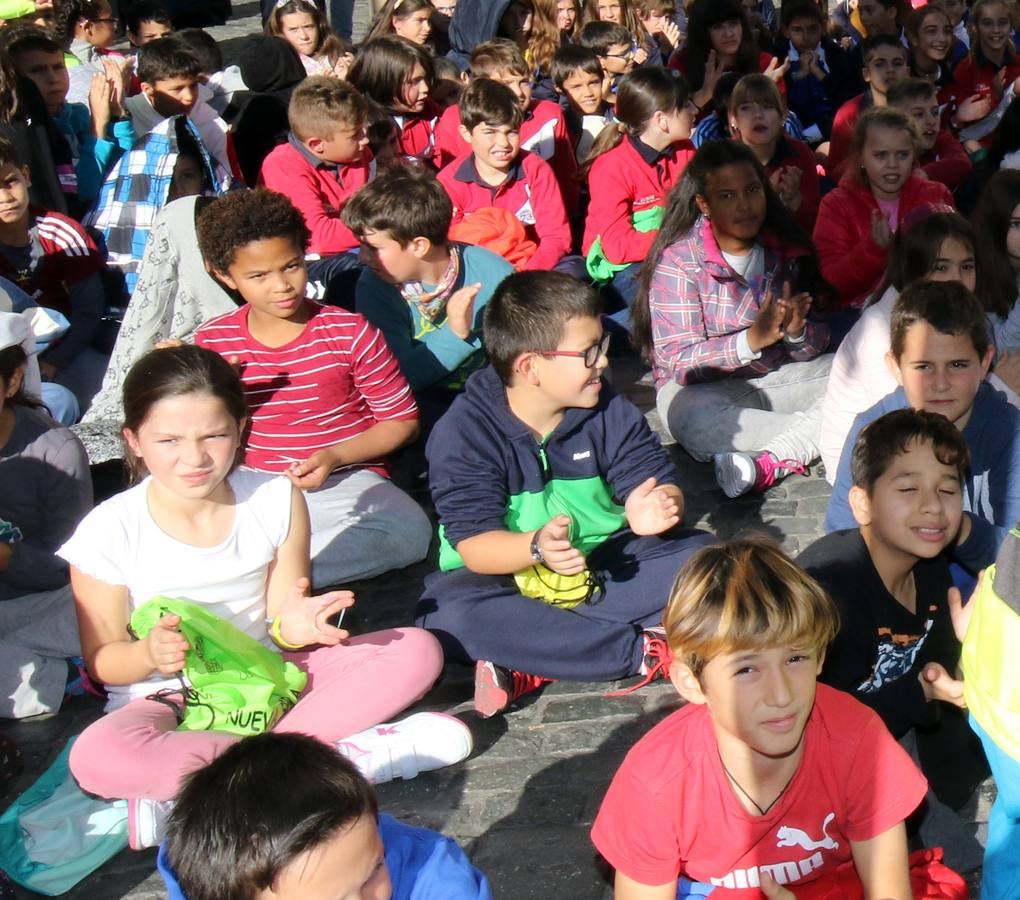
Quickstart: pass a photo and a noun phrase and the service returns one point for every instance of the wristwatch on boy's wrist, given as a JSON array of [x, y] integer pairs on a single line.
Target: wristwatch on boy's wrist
[[536, 551]]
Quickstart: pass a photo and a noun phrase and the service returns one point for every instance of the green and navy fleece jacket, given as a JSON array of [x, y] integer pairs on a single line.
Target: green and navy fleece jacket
[[488, 472]]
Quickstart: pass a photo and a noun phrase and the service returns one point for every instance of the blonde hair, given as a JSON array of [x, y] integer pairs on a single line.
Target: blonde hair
[[745, 594], [888, 117], [320, 106], [756, 88]]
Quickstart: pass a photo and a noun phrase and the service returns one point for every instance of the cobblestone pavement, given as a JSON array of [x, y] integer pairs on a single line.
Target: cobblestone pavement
[[523, 804]]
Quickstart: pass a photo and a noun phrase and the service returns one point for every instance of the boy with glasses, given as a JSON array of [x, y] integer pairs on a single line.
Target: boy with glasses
[[560, 514]]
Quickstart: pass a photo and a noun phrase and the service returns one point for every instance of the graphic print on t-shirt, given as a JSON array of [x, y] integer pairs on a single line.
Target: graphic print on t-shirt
[[787, 871], [896, 655]]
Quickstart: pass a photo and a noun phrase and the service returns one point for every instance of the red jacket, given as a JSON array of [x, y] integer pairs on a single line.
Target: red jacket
[[624, 181], [791, 152], [842, 137], [946, 162], [850, 260], [543, 132], [530, 192], [416, 134], [319, 191]]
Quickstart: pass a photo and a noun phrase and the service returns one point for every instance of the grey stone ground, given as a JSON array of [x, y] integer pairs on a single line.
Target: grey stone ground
[[523, 804]]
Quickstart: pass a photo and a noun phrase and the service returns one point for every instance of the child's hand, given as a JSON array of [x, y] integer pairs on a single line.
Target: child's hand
[[559, 554], [881, 233], [797, 309], [713, 69], [774, 891], [460, 310], [671, 32], [938, 684], [165, 645], [777, 70], [768, 325], [786, 181], [100, 98], [639, 56], [312, 472], [118, 73], [304, 620], [651, 509], [973, 109]]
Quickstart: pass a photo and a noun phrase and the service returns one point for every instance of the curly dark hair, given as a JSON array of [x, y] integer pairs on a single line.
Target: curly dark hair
[[243, 217]]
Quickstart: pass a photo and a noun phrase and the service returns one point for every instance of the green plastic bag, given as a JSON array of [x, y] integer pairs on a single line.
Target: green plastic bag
[[600, 268], [237, 684]]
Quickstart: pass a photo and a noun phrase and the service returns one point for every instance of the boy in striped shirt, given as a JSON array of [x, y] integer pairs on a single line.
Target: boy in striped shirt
[[326, 397]]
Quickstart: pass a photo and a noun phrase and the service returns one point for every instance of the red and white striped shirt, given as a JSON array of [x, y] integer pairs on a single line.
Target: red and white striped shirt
[[330, 384]]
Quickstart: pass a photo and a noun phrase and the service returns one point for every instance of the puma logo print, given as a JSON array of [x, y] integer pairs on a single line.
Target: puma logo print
[[794, 837]]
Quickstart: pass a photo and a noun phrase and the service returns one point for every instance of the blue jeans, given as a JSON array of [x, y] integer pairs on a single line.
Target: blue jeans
[[341, 17]]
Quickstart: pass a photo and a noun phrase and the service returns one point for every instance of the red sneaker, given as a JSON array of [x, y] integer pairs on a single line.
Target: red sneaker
[[655, 661], [497, 687], [739, 473]]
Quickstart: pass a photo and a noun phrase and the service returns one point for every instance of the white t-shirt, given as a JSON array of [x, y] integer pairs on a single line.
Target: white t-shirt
[[119, 543]]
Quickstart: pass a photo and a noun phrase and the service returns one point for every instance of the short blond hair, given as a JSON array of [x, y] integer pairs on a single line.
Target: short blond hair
[[320, 106], [745, 594]]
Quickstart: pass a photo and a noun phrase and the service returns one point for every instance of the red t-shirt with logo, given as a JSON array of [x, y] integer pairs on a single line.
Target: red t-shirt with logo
[[670, 810]]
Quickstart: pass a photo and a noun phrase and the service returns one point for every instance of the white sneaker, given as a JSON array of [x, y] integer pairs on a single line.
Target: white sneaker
[[147, 822], [419, 743], [735, 473]]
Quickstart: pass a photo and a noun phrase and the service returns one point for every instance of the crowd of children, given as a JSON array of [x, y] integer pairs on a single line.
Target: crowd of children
[[286, 292]]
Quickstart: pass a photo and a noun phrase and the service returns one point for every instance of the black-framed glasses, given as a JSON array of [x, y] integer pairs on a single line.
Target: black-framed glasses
[[591, 356], [627, 55]]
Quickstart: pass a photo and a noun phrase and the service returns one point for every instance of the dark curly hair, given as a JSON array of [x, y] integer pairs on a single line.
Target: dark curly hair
[[243, 217]]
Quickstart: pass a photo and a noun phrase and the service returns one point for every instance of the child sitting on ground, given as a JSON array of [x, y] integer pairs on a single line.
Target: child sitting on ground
[[613, 47], [426, 295], [940, 155], [764, 776], [323, 163], [543, 129], [496, 172], [303, 25], [146, 21], [559, 510], [297, 802], [328, 402], [940, 354], [579, 77], [895, 650]]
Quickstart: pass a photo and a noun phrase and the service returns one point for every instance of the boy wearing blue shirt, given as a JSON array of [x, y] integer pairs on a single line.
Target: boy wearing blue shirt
[[940, 354], [559, 508]]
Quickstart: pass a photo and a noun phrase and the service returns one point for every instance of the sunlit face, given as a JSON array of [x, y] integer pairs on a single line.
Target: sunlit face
[[619, 60], [101, 31], [915, 506], [1012, 235], [49, 73], [345, 145], [926, 116], [188, 443], [416, 27], [885, 67], [655, 23], [385, 256], [566, 14], [14, 185], [757, 124], [584, 90], [804, 34], [992, 26], [270, 276], [940, 373], [726, 36], [609, 11], [734, 200], [300, 31], [887, 159], [149, 31], [565, 380], [954, 262], [876, 18], [934, 37], [415, 90], [348, 866], [759, 699], [519, 83], [495, 146], [175, 96]]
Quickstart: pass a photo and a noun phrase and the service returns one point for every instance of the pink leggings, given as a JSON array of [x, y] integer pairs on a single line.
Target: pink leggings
[[136, 751]]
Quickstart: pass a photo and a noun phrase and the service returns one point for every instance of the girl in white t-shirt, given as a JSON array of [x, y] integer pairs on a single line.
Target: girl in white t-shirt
[[237, 542]]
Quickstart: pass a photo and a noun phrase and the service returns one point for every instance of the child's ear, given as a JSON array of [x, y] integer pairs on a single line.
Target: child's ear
[[27, 175], [315, 145], [702, 205], [131, 439], [686, 683], [465, 133], [523, 366], [14, 384], [989, 357], [148, 90], [894, 367], [225, 278], [860, 505], [420, 246]]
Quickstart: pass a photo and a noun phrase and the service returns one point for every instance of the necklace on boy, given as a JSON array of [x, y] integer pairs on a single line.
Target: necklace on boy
[[431, 304], [750, 799]]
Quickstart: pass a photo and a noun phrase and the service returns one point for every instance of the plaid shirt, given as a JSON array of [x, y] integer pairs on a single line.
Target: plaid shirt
[[699, 306]]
